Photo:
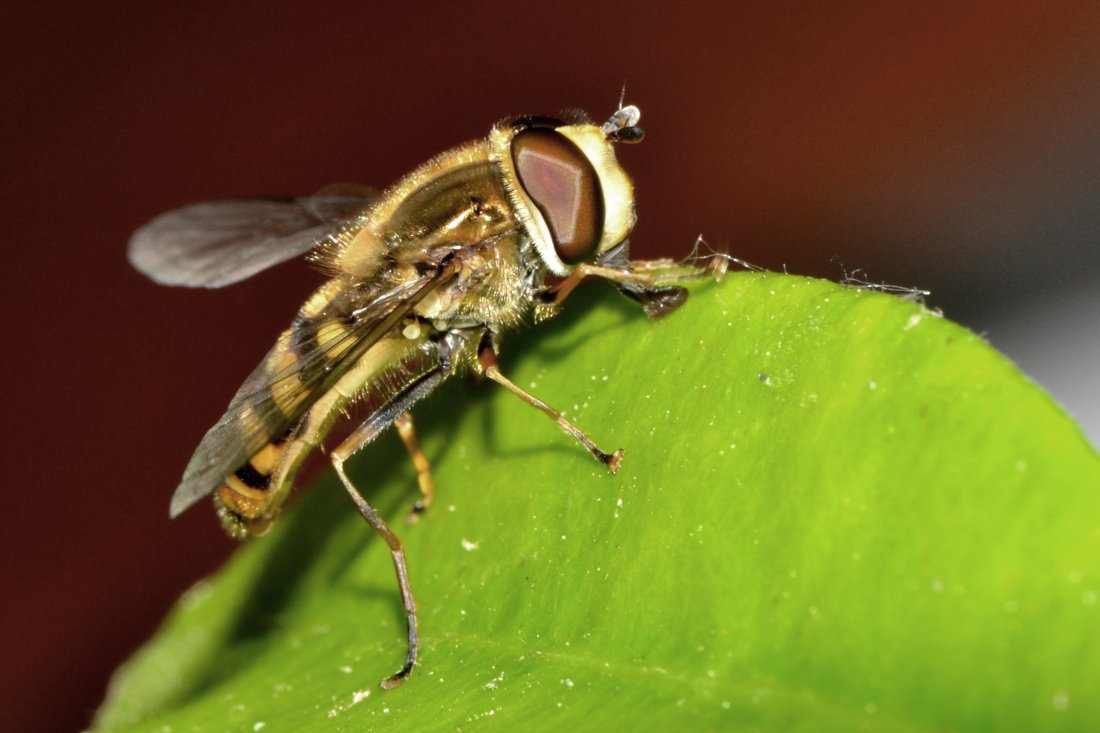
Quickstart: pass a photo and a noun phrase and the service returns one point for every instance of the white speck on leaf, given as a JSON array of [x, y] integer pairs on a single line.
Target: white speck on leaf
[[196, 594]]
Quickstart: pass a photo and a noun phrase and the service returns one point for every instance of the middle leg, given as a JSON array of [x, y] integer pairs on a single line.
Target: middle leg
[[404, 425], [487, 360]]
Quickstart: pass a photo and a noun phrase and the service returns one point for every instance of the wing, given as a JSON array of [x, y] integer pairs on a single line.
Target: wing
[[304, 364], [222, 242]]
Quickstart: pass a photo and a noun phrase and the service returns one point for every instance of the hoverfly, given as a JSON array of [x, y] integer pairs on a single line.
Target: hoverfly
[[425, 277]]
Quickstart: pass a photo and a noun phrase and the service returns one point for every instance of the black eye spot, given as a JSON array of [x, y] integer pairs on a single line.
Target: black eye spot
[[564, 186]]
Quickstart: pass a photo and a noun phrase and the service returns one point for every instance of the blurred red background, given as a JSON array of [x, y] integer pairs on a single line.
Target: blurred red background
[[947, 145]]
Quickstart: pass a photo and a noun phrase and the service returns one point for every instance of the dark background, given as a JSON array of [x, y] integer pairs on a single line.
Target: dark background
[[954, 148]]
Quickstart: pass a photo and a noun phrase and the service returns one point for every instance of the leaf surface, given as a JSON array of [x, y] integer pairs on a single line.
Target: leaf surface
[[837, 511]]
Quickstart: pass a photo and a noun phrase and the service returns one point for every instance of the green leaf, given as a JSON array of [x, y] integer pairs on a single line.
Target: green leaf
[[837, 511]]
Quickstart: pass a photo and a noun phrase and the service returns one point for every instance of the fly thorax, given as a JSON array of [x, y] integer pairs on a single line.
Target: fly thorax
[[490, 288]]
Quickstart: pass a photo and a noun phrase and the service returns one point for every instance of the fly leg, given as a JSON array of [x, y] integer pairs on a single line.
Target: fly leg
[[647, 281], [397, 552], [362, 436], [487, 359], [404, 425]]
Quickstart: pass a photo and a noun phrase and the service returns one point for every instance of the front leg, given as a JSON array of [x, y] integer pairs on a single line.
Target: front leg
[[647, 281]]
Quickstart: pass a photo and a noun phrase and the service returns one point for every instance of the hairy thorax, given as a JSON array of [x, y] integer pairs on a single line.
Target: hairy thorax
[[491, 289]]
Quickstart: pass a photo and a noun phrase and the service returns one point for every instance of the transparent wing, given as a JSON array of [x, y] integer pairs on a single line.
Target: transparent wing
[[290, 379], [217, 243]]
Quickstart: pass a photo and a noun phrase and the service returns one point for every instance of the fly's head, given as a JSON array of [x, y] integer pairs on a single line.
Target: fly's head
[[573, 199]]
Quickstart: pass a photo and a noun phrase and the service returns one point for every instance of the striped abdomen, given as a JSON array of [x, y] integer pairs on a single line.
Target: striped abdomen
[[307, 360], [244, 497]]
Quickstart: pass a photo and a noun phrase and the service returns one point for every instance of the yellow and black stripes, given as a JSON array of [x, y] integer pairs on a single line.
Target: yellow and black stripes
[[251, 478], [326, 353], [243, 499], [303, 361]]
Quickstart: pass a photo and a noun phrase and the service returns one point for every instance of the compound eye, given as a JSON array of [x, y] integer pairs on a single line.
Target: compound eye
[[564, 186]]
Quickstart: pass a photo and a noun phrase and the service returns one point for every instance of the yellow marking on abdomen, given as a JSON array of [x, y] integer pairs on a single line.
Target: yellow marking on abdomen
[[265, 461], [334, 338]]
